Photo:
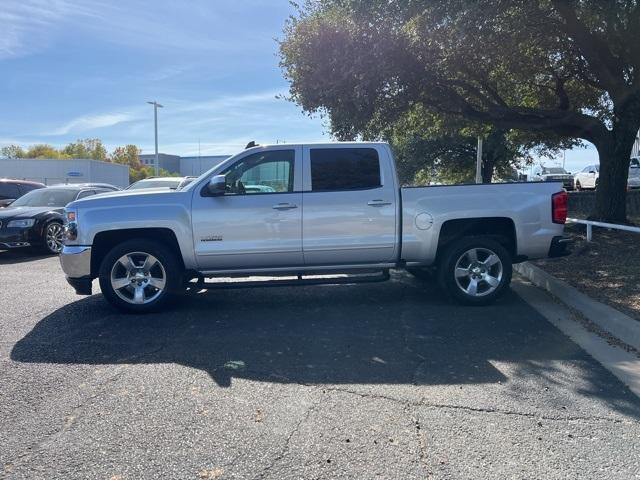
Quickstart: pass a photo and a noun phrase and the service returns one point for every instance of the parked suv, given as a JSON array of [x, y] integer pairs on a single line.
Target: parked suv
[[553, 174], [588, 177], [11, 190]]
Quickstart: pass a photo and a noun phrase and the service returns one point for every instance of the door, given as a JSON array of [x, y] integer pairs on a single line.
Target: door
[[257, 223], [350, 203]]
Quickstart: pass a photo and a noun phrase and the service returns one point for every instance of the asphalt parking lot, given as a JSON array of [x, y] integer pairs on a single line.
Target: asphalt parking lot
[[365, 381]]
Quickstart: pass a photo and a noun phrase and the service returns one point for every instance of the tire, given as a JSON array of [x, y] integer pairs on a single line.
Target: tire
[[578, 186], [52, 238], [595, 185], [491, 281], [424, 274], [140, 276]]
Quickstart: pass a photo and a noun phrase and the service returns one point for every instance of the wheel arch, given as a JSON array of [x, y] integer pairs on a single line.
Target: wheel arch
[[501, 229], [104, 241]]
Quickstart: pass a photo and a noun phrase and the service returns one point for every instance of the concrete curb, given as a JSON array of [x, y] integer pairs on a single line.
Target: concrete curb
[[618, 324]]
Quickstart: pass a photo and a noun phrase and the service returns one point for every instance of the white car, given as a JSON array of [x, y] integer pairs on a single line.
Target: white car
[[175, 183], [587, 178], [634, 173]]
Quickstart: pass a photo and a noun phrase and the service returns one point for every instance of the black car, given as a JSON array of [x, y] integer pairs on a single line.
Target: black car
[[35, 219], [10, 190]]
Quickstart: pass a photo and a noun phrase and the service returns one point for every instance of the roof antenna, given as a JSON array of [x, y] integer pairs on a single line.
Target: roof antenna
[[251, 144]]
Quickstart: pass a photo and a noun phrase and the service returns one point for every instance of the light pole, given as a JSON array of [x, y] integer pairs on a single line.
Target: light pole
[[156, 105], [479, 161]]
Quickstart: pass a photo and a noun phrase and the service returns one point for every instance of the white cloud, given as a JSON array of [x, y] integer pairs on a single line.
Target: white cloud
[[233, 100], [28, 25], [92, 122]]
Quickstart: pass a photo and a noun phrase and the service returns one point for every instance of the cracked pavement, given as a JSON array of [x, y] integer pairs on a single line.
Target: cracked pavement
[[365, 381]]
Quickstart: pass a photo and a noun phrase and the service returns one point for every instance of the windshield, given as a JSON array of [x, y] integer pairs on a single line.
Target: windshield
[[46, 197], [154, 184], [555, 171]]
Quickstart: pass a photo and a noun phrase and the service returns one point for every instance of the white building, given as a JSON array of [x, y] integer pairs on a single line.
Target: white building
[[196, 166], [54, 171]]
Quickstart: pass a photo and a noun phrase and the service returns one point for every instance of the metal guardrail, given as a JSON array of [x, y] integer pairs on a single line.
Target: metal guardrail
[[613, 226]]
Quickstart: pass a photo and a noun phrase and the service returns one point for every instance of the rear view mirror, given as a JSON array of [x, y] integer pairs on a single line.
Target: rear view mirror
[[216, 186]]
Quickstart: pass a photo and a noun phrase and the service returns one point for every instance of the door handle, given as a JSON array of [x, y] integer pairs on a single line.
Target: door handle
[[284, 206], [378, 203]]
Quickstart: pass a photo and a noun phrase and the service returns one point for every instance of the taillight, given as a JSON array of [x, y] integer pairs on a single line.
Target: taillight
[[559, 207]]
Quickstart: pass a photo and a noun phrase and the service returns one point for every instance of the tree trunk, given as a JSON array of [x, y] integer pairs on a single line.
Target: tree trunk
[[494, 151], [615, 153], [486, 169]]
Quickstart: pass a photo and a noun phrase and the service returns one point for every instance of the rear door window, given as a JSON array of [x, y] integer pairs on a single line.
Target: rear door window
[[86, 193], [9, 191], [336, 169]]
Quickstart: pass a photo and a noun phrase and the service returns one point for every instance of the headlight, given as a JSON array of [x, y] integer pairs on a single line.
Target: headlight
[[22, 223], [71, 225]]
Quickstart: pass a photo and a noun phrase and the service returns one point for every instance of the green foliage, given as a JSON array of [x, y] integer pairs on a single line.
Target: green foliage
[[127, 155], [44, 151], [12, 151], [88, 148], [554, 69]]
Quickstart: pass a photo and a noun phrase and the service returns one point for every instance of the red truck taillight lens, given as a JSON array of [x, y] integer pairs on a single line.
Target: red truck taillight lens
[[559, 207]]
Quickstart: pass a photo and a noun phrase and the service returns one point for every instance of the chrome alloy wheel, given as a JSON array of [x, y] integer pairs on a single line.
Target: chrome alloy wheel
[[138, 278], [54, 237], [478, 272]]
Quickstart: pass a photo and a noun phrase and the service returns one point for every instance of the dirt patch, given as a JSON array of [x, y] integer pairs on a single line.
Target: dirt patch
[[607, 269]]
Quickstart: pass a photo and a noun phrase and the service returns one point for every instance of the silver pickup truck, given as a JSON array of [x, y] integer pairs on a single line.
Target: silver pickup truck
[[314, 212]]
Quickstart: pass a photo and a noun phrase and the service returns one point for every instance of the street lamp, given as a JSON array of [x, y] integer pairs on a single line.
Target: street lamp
[[156, 105]]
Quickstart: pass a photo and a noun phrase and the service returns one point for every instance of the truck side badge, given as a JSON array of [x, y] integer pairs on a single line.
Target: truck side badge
[[211, 238]]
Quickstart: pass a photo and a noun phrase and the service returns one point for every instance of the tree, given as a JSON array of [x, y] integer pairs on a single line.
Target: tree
[[130, 155], [569, 68], [88, 148], [127, 155], [442, 149], [44, 151], [12, 151]]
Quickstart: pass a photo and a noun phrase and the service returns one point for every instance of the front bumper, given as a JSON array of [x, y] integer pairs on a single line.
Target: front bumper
[[76, 264], [15, 238]]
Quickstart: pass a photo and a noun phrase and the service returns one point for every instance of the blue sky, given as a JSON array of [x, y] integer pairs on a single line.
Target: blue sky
[[85, 68], [76, 69]]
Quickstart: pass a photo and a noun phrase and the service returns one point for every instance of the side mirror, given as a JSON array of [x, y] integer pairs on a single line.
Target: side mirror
[[216, 186], [592, 171]]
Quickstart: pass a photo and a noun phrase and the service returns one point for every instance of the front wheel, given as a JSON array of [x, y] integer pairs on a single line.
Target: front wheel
[[53, 238], [476, 270], [139, 276]]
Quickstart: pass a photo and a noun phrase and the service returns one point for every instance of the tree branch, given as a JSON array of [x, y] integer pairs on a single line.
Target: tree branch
[[608, 68], [558, 121]]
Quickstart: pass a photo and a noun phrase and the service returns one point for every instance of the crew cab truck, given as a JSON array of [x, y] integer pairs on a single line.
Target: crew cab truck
[[303, 210]]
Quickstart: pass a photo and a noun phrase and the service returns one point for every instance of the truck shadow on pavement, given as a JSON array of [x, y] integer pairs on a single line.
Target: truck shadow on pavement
[[11, 257], [394, 333]]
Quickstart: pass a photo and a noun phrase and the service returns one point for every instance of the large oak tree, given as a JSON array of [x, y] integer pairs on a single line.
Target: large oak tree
[[563, 67]]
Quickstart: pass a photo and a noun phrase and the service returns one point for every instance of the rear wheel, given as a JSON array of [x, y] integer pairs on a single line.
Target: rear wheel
[[578, 186], [140, 276], [475, 271]]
